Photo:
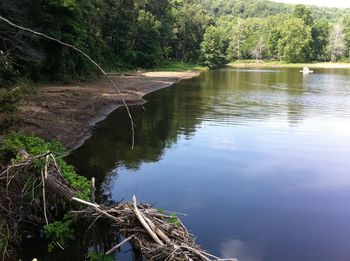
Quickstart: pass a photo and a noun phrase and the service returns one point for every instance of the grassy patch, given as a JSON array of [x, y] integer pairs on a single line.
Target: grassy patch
[[166, 67], [179, 67]]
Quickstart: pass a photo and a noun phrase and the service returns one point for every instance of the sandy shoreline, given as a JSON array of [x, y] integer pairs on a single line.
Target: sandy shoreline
[[67, 112]]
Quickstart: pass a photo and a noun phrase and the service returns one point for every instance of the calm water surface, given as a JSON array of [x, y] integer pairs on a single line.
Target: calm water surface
[[259, 159]]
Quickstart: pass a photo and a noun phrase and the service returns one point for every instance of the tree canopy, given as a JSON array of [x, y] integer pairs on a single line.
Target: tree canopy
[[122, 34]]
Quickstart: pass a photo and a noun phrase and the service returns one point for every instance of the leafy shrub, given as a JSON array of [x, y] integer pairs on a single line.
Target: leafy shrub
[[15, 142], [60, 233]]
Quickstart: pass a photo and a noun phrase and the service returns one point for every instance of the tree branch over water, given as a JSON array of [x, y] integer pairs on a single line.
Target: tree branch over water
[[86, 56]]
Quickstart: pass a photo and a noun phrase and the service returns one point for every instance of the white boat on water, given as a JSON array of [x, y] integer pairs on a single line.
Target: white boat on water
[[306, 70]]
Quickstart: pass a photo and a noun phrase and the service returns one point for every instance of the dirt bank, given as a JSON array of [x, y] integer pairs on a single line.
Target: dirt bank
[[67, 112]]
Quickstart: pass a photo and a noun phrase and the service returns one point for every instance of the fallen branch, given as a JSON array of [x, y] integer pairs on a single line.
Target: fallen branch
[[119, 245], [44, 198], [86, 203], [144, 223]]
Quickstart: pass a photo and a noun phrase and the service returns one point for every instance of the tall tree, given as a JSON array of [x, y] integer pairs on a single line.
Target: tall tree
[[259, 49], [212, 47], [145, 49], [337, 45], [295, 42], [320, 34], [190, 25], [304, 13], [345, 22], [237, 38]]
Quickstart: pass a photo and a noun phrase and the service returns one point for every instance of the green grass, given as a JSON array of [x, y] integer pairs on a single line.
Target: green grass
[[166, 67], [179, 67]]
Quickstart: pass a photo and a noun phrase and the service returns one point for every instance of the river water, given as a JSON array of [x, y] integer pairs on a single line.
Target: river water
[[259, 159]]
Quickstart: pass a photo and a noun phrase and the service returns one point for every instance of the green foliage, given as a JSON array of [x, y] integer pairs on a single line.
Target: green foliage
[[145, 50], [247, 39], [174, 219], [263, 9], [174, 66], [191, 22], [59, 233], [9, 99], [213, 48], [337, 43], [93, 256], [304, 13], [320, 35], [345, 22], [78, 182], [147, 33], [13, 143], [294, 44]]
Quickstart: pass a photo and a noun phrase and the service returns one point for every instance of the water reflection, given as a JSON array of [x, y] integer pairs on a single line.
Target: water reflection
[[257, 156], [241, 250]]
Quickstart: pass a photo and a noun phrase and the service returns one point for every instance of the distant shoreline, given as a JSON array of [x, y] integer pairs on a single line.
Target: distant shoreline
[[326, 65]]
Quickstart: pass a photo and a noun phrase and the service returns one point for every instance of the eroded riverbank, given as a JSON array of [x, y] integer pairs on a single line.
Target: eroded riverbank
[[67, 112]]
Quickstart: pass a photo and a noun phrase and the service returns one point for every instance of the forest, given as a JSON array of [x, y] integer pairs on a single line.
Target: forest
[[129, 34]]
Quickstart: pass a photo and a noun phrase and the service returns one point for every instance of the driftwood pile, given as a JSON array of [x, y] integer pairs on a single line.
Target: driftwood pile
[[156, 235]]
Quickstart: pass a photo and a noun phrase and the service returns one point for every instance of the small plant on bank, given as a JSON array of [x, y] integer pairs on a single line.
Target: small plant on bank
[[60, 233], [12, 147]]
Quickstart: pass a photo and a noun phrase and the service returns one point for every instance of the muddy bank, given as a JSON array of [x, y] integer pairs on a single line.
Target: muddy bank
[[67, 112]]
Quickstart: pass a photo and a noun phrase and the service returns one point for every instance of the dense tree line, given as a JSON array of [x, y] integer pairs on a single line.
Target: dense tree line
[[263, 8], [116, 33], [291, 37], [123, 34]]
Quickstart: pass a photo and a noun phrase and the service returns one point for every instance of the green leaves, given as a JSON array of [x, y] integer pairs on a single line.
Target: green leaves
[[59, 233], [295, 42], [13, 143], [145, 50], [212, 47]]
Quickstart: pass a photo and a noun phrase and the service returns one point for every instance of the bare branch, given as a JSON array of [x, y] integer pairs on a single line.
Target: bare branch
[[89, 58]]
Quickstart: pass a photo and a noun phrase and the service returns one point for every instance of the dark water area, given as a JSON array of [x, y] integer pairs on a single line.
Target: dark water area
[[259, 159]]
